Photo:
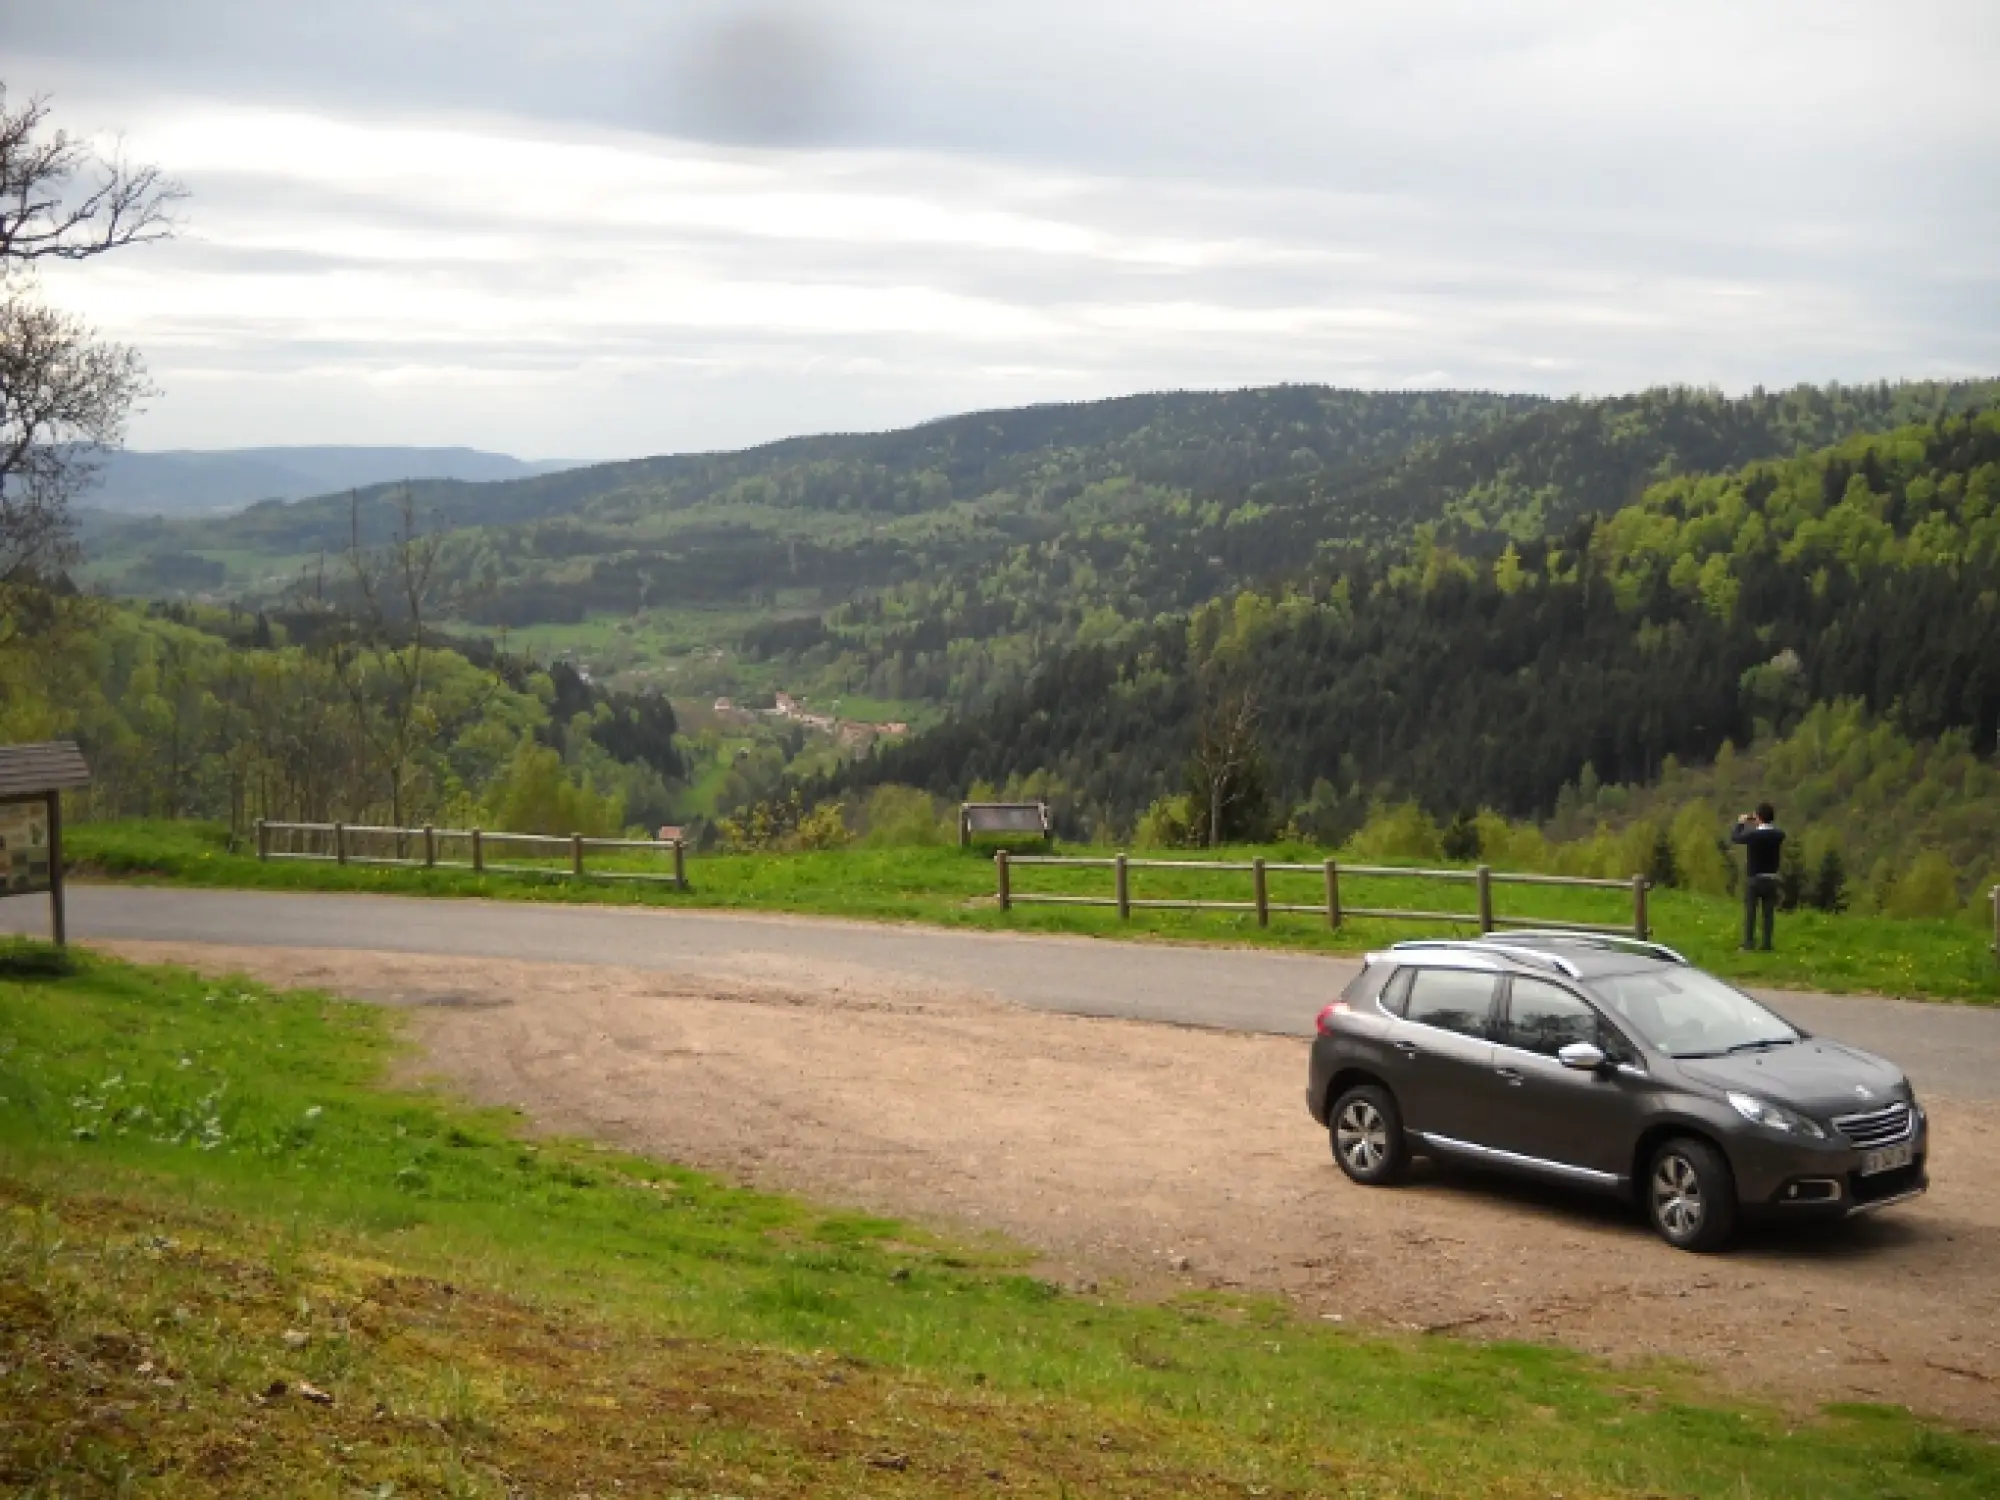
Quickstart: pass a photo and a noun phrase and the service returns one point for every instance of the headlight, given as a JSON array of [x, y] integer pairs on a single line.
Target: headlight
[[1774, 1117]]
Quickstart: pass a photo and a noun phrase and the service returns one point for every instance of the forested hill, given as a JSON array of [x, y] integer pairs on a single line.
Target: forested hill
[[933, 566], [1189, 441], [1713, 607]]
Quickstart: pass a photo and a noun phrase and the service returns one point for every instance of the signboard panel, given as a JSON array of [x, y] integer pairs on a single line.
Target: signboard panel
[[24, 848]]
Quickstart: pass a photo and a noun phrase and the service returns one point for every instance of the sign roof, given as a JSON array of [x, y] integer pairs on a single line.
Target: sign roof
[[53, 766]]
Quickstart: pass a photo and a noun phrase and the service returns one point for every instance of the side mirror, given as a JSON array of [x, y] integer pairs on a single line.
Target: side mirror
[[1582, 1056]]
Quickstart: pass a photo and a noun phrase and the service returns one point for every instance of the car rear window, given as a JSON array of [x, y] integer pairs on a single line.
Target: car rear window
[[1395, 992], [1361, 986]]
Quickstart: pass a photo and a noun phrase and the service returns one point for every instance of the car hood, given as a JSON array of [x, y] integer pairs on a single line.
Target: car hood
[[1816, 1076]]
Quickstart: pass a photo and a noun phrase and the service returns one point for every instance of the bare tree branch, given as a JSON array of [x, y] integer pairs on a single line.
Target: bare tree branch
[[61, 200]]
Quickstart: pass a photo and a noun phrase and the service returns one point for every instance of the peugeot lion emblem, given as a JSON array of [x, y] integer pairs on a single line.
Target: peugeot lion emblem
[[1863, 1091]]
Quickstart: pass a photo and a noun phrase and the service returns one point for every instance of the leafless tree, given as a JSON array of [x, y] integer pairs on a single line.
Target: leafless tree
[[1226, 771], [64, 395], [382, 666]]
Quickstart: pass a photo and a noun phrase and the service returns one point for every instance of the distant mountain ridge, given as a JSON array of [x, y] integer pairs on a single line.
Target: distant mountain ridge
[[191, 481]]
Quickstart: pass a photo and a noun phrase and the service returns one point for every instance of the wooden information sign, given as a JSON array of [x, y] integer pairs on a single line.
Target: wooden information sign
[[32, 781]]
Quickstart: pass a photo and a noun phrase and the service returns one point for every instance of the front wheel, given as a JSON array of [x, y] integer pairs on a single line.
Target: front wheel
[[1366, 1131], [1691, 1196]]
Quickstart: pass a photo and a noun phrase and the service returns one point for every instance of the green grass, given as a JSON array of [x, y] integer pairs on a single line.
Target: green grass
[[1947, 959], [208, 1196]]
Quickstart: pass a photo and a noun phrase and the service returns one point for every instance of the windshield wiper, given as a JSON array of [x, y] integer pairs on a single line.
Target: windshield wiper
[[1776, 1041]]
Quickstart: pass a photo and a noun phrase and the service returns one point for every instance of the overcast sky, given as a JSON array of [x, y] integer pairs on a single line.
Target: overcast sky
[[600, 228]]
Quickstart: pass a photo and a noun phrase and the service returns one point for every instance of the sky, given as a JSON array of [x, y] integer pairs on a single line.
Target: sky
[[609, 228]]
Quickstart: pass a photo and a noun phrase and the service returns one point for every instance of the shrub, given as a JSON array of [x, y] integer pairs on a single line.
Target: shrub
[[1793, 879], [1829, 885], [1167, 824], [538, 795], [783, 823], [1662, 869], [1928, 888], [1461, 840], [1703, 863], [902, 817], [1404, 831]]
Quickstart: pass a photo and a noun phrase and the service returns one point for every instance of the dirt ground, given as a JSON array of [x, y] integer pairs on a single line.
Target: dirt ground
[[1149, 1155]]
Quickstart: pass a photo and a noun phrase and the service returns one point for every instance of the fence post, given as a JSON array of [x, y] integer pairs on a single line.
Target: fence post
[[1124, 892], [340, 843], [1262, 885], [1485, 874], [680, 866], [1641, 929], [1000, 873], [576, 855], [1996, 921], [263, 840], [964, 828], [1332, 895], [478, 853], [430, 846]]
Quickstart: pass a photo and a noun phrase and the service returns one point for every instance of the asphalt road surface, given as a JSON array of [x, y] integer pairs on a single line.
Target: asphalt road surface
[[1949, 1050]]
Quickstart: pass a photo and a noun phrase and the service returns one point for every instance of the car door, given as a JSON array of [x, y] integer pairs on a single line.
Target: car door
[[1442, 1052], [1582, 1123]]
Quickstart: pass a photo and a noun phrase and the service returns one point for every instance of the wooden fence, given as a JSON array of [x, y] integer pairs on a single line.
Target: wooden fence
[[423, 849], [1482, 880]]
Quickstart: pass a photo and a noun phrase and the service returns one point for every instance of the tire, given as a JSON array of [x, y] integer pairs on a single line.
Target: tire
[[1365, 1130], [1690, 1195]]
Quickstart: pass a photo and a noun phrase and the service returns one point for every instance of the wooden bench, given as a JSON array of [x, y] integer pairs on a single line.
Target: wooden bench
[[1003, 820]]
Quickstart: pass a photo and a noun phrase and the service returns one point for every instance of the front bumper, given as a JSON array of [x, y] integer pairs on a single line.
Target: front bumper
[[1787, 1178]]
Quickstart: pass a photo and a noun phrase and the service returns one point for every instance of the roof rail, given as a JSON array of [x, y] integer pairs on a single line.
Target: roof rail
[[1523, 955], [1610, 940]]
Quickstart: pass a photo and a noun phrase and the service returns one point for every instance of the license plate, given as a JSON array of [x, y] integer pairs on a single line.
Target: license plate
[[1886, 1159]]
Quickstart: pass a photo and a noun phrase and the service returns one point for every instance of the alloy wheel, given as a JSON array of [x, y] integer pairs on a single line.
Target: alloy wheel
[[1362, 1136], [1677, 1201]]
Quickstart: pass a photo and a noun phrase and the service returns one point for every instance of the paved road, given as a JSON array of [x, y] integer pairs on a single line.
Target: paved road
[[1949, 1050]]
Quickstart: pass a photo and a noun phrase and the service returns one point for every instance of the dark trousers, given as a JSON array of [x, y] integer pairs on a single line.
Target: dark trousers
[[1760, 893]]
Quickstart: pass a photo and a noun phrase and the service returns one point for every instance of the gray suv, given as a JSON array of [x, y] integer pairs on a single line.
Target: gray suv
[[1614, 1065]]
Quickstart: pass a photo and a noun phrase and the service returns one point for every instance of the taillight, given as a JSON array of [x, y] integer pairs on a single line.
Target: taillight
[[1338, 1008]]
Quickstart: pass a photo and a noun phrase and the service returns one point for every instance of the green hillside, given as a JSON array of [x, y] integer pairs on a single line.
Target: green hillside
[[1715, 611], [936, 564]]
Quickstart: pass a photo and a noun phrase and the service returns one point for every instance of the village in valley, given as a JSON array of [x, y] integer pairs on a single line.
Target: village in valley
[[848, 734]]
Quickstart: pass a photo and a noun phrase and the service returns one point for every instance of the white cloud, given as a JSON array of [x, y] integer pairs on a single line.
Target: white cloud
[[514, 224]]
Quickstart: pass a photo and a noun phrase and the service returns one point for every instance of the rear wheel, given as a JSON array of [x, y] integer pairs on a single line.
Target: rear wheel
[[1690, 1195], [1366, 1131]]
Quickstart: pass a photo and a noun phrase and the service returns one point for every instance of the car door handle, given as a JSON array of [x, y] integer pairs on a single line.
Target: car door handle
[[1512, 1075]]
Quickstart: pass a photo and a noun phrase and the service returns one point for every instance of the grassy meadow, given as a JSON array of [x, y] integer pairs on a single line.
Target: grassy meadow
[[1947, 958], [235, 1261]]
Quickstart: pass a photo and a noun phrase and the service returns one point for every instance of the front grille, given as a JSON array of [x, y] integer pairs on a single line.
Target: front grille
[[1877, 1127]]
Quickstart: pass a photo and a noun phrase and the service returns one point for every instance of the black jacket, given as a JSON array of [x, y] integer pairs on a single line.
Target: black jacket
[[1761, 844]]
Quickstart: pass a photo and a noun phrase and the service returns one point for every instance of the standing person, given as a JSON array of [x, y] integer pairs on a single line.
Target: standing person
[[1762, 840]]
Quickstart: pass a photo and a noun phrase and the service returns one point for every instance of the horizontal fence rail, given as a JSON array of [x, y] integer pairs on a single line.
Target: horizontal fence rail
[[1482, 880], [426, 848]]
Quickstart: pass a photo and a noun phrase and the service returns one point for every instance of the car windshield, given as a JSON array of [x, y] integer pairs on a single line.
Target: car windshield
[[1686, 1013]]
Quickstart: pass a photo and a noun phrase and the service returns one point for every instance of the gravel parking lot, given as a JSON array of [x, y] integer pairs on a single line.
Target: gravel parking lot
[[1154, 1155]]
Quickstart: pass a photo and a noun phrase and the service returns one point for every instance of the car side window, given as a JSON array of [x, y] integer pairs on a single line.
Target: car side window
[[1545, 1018], [1396, 992], [1459, 1000]]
